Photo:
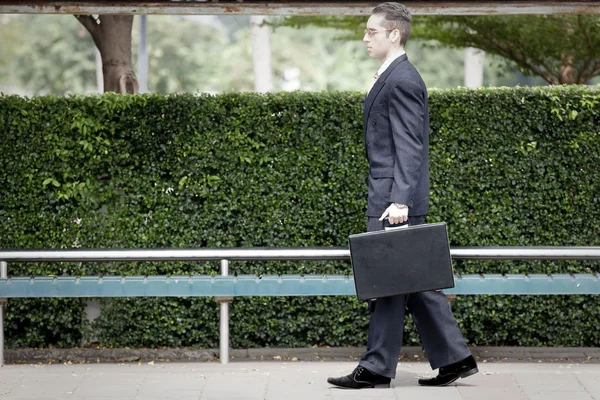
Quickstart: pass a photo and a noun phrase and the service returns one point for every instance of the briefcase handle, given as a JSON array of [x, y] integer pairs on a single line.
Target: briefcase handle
[[388, 227]]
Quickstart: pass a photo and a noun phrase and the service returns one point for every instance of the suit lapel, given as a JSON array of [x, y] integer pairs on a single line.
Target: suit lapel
[[370, 98], [372, 95]]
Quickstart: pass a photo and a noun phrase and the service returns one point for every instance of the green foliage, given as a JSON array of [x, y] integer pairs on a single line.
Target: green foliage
[[558, 48], [44, 322], [352, 26], [157, 322], [54, 54], [509, 167], [183, 55], [47, 54]]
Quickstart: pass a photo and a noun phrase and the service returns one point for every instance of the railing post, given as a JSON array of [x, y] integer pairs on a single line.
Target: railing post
[[3, 275], [224, 330]]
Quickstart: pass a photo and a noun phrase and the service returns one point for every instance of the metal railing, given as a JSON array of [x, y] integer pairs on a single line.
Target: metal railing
[[263, 254], [3, 275], [283, 254]]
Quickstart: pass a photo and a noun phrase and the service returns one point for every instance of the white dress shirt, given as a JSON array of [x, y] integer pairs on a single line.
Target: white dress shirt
[[387, 62]]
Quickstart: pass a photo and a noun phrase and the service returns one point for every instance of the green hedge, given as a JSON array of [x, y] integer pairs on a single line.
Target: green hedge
[[508, 167]]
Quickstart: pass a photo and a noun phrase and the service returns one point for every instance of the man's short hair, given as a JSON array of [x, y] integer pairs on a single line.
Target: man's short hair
[[396, 16]]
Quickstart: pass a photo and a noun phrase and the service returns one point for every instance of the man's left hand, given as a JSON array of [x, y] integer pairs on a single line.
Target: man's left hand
[[396, 214]]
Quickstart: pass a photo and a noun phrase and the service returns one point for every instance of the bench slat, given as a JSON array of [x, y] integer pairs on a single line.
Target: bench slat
[[273, 285]]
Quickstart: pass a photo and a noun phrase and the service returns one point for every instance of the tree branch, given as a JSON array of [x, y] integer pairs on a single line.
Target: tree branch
[[586, 65], [590, 58], [88, 22], [585, 32], [508, 47], [596, 69], [91, 24], [521, 59], [589, 72]]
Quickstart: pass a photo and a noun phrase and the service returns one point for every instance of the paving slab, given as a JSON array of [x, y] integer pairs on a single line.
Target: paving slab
[[286, 380]]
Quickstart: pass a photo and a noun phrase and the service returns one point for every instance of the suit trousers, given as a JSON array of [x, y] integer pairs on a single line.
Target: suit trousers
[[439, 332]]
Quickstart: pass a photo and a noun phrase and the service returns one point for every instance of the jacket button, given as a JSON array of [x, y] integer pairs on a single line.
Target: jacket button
[[374, 122]]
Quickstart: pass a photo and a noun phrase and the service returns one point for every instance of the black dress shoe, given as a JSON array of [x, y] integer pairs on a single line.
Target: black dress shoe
[[361, 378], [452, 372]]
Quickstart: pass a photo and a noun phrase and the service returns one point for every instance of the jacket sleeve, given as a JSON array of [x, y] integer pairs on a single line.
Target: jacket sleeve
[[406, 113]]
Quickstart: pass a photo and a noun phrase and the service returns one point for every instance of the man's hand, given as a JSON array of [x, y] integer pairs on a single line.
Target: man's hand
[[396, 214]]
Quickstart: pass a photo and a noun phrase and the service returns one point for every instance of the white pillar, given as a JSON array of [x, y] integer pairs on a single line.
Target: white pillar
[[224, 317], [91, 311], [4, 275], [474, 67], [143, 57], [261, 55]]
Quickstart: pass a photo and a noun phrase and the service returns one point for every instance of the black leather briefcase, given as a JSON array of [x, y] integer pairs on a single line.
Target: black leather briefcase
[[401, 261]]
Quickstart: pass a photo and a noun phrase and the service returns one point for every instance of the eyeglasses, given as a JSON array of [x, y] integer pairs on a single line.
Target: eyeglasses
[[372, 32]]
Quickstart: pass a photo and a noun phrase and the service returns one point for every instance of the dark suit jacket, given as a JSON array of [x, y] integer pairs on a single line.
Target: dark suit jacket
[[396, 127]]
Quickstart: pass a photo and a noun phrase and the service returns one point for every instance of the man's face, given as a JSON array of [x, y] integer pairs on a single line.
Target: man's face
[[376, 38]]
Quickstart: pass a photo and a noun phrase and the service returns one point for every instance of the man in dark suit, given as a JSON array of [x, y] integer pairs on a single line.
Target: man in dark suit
[[396, 128]]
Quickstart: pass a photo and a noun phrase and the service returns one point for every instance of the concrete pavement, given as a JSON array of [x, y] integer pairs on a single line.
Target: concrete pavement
[[278, 380]]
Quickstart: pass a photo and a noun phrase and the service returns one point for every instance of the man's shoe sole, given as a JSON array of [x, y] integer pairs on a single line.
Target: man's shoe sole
[[466, 374], [470, 372], [378, 386], [382, 386]]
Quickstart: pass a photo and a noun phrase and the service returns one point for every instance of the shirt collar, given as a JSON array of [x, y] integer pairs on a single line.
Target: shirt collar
[[388, 62]]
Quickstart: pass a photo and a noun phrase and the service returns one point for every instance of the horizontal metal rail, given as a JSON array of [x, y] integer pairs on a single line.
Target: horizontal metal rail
[[282, 254], [274, 285], [334, 8], [286, 285]]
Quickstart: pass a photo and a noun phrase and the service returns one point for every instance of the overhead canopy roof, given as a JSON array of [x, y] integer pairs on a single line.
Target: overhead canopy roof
[[296, 7]]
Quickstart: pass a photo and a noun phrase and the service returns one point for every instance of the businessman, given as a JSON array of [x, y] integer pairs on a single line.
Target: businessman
[[396, 128]]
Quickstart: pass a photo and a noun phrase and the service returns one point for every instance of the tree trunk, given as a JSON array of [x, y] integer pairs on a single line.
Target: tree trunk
[[112, 35], [568, 73]]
